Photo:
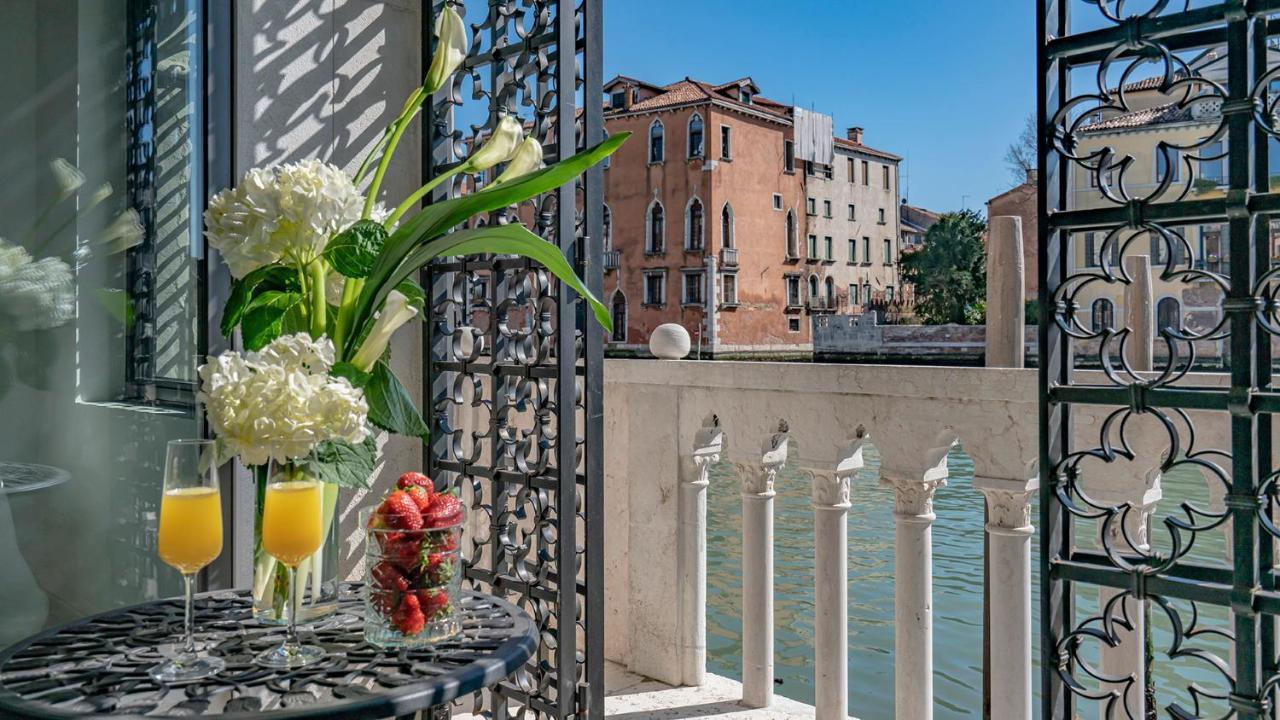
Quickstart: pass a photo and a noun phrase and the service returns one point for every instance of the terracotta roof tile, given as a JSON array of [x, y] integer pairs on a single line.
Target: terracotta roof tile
[[1157, 115]]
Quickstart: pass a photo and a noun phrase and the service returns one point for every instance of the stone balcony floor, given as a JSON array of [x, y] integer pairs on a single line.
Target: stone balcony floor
[[633, 697]]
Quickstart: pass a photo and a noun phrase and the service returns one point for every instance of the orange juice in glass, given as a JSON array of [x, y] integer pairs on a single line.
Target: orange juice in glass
[[190, 538], [292, 530], [292, 527], [190, 527]]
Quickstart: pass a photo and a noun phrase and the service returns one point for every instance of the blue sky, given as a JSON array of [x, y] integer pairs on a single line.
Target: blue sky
[[945, 83]]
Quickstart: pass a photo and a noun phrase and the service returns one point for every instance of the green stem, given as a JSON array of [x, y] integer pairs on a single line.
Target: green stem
[[350, 292], [319, 305], [420, 193], [303, 284], [402, 124]]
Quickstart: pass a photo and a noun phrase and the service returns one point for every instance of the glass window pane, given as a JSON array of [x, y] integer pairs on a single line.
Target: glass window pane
[[99, 296]]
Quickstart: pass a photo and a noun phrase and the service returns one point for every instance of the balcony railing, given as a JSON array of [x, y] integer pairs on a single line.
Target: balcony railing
[[729, 257], [612, 259], [821, 305]]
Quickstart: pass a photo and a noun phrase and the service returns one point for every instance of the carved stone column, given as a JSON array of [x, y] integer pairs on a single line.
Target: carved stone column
[[1009, 532], [913, 590], [693, 553], [1141, 492], [757, 573], [831, 585]]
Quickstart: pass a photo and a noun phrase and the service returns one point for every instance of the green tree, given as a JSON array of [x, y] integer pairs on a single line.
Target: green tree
[[950, 271]]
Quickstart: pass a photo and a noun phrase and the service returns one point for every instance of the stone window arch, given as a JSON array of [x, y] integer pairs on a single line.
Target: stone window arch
[[726, 225], [657, 149], [697, 137], [694, 225], [655, 230], [618, 311], [1102, 315]]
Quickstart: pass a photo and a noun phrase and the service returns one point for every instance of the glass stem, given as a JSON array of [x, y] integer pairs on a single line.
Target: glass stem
[[291, 640], [189, 624]]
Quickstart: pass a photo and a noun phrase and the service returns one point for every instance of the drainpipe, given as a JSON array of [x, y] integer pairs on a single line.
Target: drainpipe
[[712, 314]]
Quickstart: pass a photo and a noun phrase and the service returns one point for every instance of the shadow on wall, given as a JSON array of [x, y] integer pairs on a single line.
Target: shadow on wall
[[322, 79]]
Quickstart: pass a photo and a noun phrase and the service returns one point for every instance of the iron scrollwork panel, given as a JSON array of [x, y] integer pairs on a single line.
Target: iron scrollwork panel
[[1158, 129], [514, 364]]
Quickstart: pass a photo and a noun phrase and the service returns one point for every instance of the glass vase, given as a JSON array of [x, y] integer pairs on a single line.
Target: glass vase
[[317, 575], [411, 584]]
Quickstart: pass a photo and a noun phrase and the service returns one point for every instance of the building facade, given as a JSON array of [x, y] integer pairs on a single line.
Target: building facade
[[716, 221], [1020, 202]]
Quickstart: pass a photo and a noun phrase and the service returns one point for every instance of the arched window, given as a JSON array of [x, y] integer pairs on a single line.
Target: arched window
[[1168, 315], [655, 229], [696, 134], [726, 225], [618, 312], [1103, 315], [813, 288], [693, 225], [793, 249], [831, 292], [656, 150], [607, 228]]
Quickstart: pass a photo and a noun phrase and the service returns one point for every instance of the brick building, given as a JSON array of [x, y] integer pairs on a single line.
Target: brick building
[[724, 215]]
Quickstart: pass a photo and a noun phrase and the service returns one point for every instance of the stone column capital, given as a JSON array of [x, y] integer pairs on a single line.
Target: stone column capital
[[1008, 504], [830, 491], [913, 498]]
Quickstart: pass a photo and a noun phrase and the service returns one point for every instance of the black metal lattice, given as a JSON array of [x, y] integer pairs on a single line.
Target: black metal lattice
[[1156, 122], [515, 367]]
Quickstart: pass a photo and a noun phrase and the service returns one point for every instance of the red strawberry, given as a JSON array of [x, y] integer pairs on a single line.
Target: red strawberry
[[439, 568], [399, 511], [404, 552], [408, 617], [433, 603], [385, 601], [421, 498], [445, 510], [388, 577], [441, 541], [416, 479]]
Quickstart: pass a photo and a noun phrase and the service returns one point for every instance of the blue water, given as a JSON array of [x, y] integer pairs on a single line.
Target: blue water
[[957, 588]]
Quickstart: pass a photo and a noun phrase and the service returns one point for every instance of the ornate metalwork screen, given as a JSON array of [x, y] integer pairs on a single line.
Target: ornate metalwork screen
[[516, 390], [1157, 155]]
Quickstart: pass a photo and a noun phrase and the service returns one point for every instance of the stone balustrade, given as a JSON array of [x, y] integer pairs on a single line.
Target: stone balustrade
[[668, 421]]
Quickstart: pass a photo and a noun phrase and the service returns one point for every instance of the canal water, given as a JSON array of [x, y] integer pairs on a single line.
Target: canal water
[[957, 590]]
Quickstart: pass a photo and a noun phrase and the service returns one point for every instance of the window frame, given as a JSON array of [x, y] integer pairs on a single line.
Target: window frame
[[728, 226], [689, 240], [658, 156], [649, 247], [701, 151], [686, 274], [789, 156], [730, 277], [661, 275], [726, 141]]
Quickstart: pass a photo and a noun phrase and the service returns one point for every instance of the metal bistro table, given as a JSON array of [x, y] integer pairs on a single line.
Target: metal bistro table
[[98, 665]]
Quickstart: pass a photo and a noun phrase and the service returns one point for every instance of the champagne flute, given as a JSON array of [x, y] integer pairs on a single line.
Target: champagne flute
[[291, 532], [190, 538]]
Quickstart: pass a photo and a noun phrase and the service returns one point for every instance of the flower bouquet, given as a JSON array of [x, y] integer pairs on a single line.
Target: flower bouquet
[[324, 275]]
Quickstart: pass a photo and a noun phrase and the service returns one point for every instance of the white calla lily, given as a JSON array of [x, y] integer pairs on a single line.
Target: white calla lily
[[499, 148], [451, 49], [527, 159], [395, 312]]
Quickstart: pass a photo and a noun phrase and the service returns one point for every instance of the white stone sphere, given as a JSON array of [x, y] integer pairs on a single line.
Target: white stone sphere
[[669, 341]]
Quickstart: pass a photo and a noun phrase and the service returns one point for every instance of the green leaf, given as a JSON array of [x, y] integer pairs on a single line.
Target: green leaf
[[413, 291], [264, 318], [390, 406], [344, 464], [436, 219], [353, 251], [270, 277], [344, 369]]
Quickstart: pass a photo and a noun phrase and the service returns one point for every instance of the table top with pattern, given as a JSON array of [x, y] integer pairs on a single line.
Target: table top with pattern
[[99, 665]]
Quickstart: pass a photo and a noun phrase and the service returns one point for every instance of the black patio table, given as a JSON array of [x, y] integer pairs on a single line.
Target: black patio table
[[99, 665]]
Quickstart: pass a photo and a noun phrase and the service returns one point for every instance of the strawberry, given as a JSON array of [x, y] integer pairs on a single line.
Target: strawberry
[[399, 511], [439, 568], [416, 479], [432, 603], [441, 541], [408, 617], [388, 577], [404, 553], [445, 510], [385, 601], [421, 498]]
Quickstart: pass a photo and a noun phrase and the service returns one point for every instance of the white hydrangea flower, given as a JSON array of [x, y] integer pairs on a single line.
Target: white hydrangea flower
[[280, 402], [288, 212], [34, 294]]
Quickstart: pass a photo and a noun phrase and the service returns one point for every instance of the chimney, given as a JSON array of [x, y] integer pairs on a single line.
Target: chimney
[[1033, 176], [854, 134]]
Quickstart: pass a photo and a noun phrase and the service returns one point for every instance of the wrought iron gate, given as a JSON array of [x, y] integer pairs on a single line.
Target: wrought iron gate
[[1186, 551], [516, 368]]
